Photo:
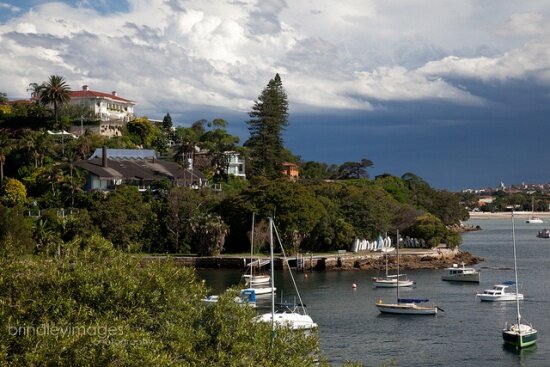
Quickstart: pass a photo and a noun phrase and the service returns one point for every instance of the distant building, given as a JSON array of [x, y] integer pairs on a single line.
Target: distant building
[[108, 168], [202, 159], [113, 111], [236, 165], [291, 170]]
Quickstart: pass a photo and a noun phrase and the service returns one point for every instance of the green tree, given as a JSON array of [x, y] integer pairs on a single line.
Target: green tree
[[56, 92], [14, 193], [36, 91], [5, 149], [140, 131], [182, 204], [269, 117], [121, 217], [295, 209], [429, 228], [167, 123], [314, 170], [15, 233], [209, 232], [354, 169], [218, 143]]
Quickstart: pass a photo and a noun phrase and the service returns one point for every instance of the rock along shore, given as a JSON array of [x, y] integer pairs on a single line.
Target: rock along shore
[[437, 258]]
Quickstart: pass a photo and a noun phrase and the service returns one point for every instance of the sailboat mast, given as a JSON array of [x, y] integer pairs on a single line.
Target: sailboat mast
[[252, 248], [397, 248], [516, 270], [272, 276]]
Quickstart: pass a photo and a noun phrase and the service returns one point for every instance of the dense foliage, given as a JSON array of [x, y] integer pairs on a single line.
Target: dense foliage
[[96, 306]]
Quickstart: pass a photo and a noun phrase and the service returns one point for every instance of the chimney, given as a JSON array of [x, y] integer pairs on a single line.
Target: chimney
[[114, 93], [84, 87], [104, 157]]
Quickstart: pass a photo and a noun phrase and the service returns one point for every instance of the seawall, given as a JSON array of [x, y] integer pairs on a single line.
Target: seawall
[[438, 258]]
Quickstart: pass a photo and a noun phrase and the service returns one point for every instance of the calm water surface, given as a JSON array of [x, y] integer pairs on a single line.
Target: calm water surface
[[468, 333]]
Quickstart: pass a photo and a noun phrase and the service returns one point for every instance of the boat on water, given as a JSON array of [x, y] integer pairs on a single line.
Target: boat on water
[[518, 335], [545, 233], [463, 274], [405, 306], [391, 281], [534, 220], [498, 293], [260, 283], [290, 315], [247, 298]]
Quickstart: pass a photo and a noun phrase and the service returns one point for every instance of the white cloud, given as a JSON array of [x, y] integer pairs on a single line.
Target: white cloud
[[330, 54], [528, 62], [10, 8]]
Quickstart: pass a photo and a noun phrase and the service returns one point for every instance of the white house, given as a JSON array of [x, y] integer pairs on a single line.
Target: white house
[[112, 110], [236, 165]]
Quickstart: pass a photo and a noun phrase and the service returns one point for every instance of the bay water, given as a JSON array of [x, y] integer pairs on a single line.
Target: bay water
[[467, 333]]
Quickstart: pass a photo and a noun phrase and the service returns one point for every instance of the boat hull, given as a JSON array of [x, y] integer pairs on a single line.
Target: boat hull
[[390, 283], [469, 278], [290, 320], [263, 290], [499, 298], [406, 309], [519, 340]]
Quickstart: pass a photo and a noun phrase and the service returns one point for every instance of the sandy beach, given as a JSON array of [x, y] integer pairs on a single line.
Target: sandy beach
[[522, 215]]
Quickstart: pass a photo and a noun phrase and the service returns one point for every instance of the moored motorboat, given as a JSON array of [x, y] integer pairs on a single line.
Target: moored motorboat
[[545, 233], [499, 293], [463, 274], [534, 220]]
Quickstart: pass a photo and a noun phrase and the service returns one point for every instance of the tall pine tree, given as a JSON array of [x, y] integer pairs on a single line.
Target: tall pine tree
[[269, 117]]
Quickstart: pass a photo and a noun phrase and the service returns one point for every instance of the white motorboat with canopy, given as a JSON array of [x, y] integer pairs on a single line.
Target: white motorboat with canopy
[[499, 293]]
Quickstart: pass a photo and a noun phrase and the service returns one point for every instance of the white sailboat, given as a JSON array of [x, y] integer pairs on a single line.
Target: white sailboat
[[533, 219], [518, 335], [293, 316], [391, 281], [405, 306], [259, 283]]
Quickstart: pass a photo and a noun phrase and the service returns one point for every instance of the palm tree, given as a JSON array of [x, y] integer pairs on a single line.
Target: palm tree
[[56, 92], [36, 90]]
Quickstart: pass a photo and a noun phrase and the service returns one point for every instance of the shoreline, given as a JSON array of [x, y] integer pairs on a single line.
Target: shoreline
[[436, 258], [505, 215]]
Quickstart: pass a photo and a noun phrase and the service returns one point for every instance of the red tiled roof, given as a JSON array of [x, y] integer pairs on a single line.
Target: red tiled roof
[[94, 94]]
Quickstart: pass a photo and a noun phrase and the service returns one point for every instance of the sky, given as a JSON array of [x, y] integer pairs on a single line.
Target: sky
[[456, 92]]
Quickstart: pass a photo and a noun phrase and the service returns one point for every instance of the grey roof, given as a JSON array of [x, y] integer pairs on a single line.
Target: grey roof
[[139, 169], [125, 153]]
